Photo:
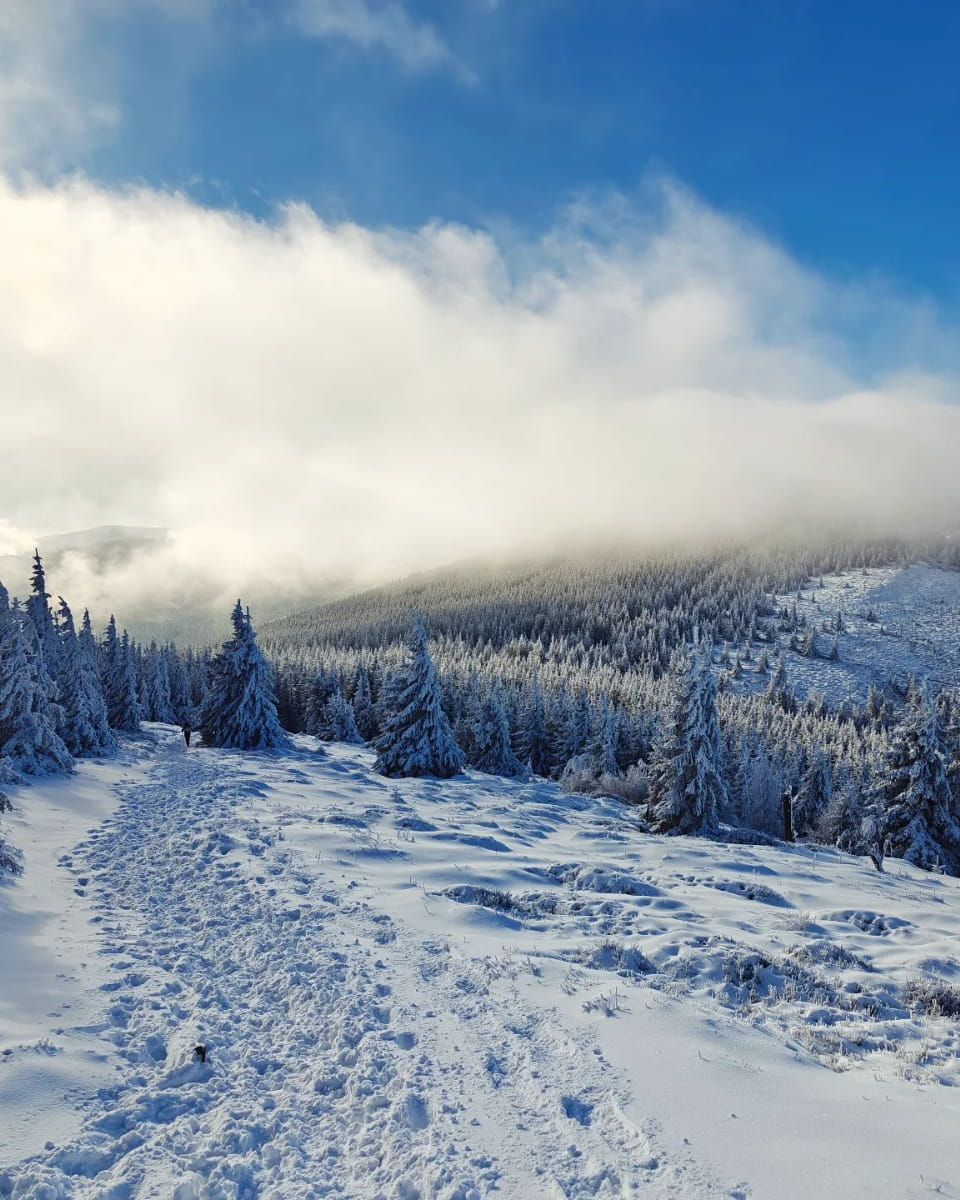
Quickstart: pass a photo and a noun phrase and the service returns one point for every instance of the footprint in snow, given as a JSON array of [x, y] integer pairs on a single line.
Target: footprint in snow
[[415, 1112], [577, 1110]]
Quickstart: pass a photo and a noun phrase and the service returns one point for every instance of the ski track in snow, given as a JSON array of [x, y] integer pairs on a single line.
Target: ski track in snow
[[349, 1055]]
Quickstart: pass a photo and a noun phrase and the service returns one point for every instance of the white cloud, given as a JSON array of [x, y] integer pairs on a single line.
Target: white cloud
[[300, 398], [374, 25]]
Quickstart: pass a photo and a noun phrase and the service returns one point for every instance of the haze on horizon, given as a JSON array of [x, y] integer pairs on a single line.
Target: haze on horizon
[[300, 397]]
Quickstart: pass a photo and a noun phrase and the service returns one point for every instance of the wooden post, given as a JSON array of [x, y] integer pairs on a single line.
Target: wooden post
[[788, 815]]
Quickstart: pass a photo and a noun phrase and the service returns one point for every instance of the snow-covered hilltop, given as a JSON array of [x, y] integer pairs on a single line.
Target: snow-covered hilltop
[[455, 989], [895, 622]]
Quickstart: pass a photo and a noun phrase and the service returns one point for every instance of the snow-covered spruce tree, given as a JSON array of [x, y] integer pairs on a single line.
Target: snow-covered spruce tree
[[911, 812], [779, 691], [602, 747], [339, 723], [686, 779], [416, 738], [29, 742], [491, 739], [239, 710], [155, 692], [38, 610], [180, 702], [533, 736], [813, 795], [118, 677], [363, 709], [48, 665], [86, 731], [11, 862]]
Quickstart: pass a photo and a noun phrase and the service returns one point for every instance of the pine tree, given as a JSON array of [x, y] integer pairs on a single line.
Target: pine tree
[[239, 710], [86, 731], [416, 738], [687, 785], [911, 814]]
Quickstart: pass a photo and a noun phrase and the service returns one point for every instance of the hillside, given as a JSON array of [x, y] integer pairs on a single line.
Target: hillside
[[897, 621], [456, 990]]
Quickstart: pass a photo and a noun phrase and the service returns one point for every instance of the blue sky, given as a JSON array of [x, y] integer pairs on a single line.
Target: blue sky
[[830, 124]]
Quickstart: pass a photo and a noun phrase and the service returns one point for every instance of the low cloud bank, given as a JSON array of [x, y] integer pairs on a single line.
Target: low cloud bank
[[301, 401]]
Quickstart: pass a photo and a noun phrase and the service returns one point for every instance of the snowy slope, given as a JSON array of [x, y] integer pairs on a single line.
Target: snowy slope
[[897, 622], [456, 989]]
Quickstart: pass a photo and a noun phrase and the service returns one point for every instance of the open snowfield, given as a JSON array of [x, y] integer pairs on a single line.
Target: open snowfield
[[455, 989], [898, 621]]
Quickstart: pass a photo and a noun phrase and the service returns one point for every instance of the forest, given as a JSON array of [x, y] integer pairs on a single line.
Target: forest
[[662, 679]]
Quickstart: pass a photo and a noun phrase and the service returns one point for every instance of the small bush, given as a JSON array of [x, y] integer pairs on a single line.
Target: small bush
[[932, 997], [11, 861]]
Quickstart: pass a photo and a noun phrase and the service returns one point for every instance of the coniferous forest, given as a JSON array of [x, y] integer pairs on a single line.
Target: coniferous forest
[[662, 679]]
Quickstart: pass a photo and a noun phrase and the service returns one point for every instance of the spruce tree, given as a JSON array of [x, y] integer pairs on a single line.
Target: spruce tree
[[119, 681], [363, 709], [239, 710], [38, 610], [911, 814], [534, 738], [180, 702], [156, 686], [48, 665], [129, 711], [603, 745], [86, 730], [686, 779], [416, 738], [491, 739], [29, 742], [339, 723], [814, 794]]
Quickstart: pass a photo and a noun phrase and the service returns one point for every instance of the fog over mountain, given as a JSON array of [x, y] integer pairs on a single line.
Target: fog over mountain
[[299, 401]]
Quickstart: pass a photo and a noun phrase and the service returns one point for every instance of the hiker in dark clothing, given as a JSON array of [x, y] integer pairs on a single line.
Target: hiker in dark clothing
[[187, 730]]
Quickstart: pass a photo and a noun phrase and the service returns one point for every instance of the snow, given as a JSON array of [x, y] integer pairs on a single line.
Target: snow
[[916, 630], [454, 989]]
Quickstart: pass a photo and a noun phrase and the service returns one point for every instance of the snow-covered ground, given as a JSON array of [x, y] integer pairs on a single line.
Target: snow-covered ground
[[897, 622], [455, 989]]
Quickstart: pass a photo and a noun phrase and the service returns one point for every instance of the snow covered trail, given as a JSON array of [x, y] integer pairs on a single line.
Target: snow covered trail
[[349, 1054]]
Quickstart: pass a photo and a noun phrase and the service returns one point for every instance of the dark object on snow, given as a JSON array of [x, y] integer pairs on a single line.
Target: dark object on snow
[[200, 1052], [876, 857], [186, 729], [787, 800]]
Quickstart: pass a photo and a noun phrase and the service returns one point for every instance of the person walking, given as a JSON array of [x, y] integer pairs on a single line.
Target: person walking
[[186, 729]]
